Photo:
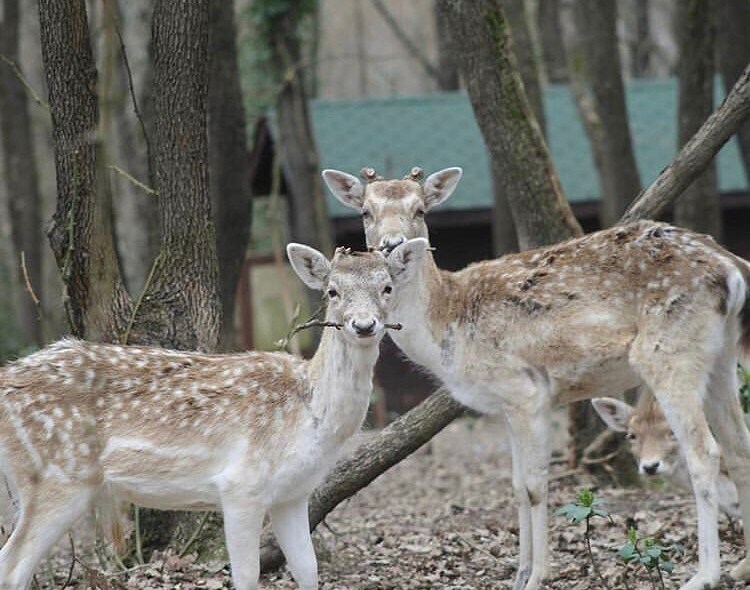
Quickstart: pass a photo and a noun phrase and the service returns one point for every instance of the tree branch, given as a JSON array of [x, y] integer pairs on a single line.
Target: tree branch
[[382, 451], [406, 41], [696, 155]]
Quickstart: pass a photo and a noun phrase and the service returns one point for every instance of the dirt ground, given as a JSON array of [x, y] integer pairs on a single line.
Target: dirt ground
[[445, 518]]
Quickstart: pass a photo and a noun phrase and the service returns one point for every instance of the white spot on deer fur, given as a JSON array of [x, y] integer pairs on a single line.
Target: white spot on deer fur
[[57, 412], [84, 449]]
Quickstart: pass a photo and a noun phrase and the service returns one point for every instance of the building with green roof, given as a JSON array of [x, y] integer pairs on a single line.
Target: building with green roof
[[439, 130]]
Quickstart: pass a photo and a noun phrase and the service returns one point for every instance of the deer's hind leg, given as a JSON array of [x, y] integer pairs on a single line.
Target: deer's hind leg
[[727, 422], [675, 361], [528, 414], [48, 507]]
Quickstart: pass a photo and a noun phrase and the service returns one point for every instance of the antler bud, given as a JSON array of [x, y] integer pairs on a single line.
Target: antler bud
[[416, 174], [369, 174]]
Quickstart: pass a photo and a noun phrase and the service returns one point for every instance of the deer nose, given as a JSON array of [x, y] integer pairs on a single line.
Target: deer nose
[[651, 468], [390, 242], [364, 327]]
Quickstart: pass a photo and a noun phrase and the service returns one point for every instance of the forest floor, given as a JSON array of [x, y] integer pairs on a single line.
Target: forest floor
[[445, 519]]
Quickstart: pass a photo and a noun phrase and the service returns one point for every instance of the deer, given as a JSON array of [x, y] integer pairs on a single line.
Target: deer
[[250, 434], [655, 447], [644, 303]]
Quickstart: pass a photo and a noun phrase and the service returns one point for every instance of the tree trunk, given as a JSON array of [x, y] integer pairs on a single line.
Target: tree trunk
[[523, 49], [733, 43], [596, 22], [20, 177], [81, 230], [448, 79], [698, 207], [641, 48], [136, 210], [551, 41], [228, 159], [517, 149], [296, 142], [181, 307]]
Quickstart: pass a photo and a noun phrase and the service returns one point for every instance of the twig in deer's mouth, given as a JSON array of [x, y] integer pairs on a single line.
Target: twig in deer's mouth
[[396, 326]]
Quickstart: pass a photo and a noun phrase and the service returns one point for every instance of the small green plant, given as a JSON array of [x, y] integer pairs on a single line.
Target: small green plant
[[586, 507], [651, 554]]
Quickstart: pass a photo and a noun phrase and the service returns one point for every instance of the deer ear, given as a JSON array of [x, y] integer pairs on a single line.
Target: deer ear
[[310, 265], [440, 185], [345, 187], [406, 258], [614, 412]]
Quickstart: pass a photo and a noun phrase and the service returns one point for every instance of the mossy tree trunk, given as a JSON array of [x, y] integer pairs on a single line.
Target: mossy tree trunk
[[513, 138]]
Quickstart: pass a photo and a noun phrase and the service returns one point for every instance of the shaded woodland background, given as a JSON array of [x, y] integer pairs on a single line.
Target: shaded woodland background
[[157, 155]]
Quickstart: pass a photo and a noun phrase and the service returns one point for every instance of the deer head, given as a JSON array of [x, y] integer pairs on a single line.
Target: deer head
[[393, 210], [651, 440], [358, 285]]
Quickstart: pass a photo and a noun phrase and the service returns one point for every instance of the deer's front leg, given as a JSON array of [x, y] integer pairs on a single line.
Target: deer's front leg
[[292, 528], [243, 521]]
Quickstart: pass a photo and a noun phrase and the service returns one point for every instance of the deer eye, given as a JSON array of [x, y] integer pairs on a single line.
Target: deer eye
[[332, 293], [630, 436], [388, 290], [419, 213], [366, 214]]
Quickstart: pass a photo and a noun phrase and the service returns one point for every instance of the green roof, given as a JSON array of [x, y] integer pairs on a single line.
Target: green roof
[[439, 130]]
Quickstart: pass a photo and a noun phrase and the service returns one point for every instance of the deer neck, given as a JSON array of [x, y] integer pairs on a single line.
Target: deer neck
[[340, 374], [421, 337]]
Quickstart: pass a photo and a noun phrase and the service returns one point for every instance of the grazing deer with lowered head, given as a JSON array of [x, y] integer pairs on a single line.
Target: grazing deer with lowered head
[[645, 303], [246, 433], [655, 447]]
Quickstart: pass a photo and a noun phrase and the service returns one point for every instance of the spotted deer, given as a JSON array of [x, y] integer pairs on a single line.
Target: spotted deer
[[655, 447], [249, 433], [645, 303]]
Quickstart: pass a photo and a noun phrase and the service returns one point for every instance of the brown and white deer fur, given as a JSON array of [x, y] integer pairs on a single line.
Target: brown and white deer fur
[[645, 303], [246, 433], [655, 447]]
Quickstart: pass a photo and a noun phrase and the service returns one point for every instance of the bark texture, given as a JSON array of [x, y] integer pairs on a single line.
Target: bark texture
[[519, 155], [181, 307], [20, 175], [551, 40], [596, 26], [733, 44], [296, 142], [696, 154], [81, 230], [698, 207], [228, 159], [523, 49], [448, 78]]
